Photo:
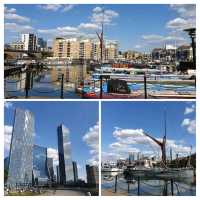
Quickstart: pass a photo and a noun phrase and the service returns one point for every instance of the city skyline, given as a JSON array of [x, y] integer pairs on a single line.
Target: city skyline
[[84, 20], [122, 131], [84, 137]]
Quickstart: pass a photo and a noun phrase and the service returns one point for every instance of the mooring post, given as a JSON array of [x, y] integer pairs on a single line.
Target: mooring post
[[94, 85], [27, 83], [115, 183], [145, 86], [62, 84], [172, 187], [101, 85], [32, 75], [138, 180], [128, 186]]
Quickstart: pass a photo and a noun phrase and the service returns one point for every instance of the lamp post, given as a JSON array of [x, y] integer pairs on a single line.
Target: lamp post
[[192, 33]]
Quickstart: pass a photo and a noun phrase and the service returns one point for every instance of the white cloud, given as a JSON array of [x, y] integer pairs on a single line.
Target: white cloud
[[51, 7], [189, 110], [88, 26], [13, 27], [159, 38], [53, 153], [8, 104], [99, 15], [186, 17], [11, 10], [60, 31], [10, 14], [138, 46], [97, 9], [92, 140], [7, 136], [180, 24], [56, 7], [190, 125], [68, 7], [185, 10], [135, 141]]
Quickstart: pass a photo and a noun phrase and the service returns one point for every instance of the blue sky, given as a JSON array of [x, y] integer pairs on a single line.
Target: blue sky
[[80, 118], [124, 122], [138, 27]]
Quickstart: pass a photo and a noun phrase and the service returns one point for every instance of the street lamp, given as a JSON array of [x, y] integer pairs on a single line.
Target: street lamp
[[192, 33]]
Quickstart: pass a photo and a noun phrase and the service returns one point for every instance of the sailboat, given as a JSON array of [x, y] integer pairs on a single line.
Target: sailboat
[[164, 171]]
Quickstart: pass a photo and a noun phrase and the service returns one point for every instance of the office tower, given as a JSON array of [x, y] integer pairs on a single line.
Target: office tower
[[64, 153], [21, 158], [92, 175], [6, 163], [131, 157], [30, 42], [75, 170], [57, 174], [50, 168], [41, 44], [40, 173]]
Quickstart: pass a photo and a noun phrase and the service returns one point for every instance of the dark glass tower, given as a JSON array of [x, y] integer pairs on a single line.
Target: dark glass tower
[[64, 153], [75, 170], [21, 158]]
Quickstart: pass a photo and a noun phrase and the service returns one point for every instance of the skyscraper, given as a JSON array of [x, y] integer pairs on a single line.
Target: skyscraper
[[75, 170], [58, 174], [50, 168], [30, 42], [92, 175], [64, 153], [40, 172], [21, 158], [131, 157]]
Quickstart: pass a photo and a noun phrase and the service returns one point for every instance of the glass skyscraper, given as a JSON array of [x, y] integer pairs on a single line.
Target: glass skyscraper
[[64, 152], [40, 171], [50, 168], [21, 158]]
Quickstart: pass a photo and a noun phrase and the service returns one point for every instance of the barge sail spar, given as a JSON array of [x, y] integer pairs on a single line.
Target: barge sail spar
[[163, 171]]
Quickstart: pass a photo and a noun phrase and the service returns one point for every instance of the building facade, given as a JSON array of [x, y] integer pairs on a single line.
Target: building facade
[[18, 45], [64, 154], [21, 148], [75, 170], [92, 175], [184, 53], [50, 169], [111, 50], [41, 44], [40, 171], [57, 174], [30, 42], [66, 48], [87, 49]]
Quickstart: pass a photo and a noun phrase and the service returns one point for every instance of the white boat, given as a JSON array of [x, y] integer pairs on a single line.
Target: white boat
[[109, 167]]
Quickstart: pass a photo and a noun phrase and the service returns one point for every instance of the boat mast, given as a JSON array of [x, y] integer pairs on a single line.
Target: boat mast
[[163, 143], [101, 37]]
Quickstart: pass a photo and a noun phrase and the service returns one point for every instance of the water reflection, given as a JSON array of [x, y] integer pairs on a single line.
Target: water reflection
[[114, 183], [48, 82]]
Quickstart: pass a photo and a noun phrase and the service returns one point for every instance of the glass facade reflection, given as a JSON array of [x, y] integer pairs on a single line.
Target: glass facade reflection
[[40, 172], [50, 168], [21, 159], [64, 152]]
